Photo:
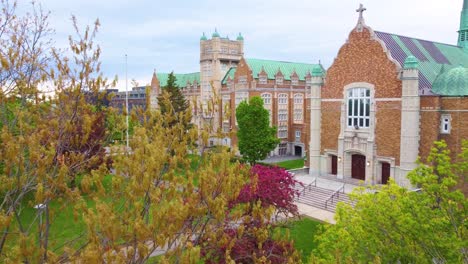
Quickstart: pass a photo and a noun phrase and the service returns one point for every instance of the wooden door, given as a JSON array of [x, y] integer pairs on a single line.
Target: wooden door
[[334, 165], [358, 167], [385, 172]]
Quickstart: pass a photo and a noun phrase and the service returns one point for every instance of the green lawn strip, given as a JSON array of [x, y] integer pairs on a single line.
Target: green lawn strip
[[291, 164], [303, 232]]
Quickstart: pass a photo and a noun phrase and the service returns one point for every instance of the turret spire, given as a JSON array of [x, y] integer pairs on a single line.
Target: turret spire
[[463, 31]]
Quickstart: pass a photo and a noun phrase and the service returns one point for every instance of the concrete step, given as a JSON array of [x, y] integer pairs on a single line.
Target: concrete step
[[317, 197]]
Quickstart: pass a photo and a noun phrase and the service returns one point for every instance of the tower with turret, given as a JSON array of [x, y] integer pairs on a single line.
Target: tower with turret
[[217, 56]]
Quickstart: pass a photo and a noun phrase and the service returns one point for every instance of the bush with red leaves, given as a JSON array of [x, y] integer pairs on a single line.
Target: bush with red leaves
[[274, 186], [271, 186]]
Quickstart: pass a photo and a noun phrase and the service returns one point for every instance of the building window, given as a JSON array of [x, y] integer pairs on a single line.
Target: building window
[[298, 134], [283, 99], [282, 131], [298, 117], [262, 79], [282, 115], [241, 96], [224, 50], [233, 51], [243, 80], [298, 99], [266, 98], [294, 81], [298, 108], [445, 125], [282, 149], [358, 107], [279, 80]]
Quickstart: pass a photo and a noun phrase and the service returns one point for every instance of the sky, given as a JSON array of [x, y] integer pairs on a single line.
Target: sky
[[165, 35]]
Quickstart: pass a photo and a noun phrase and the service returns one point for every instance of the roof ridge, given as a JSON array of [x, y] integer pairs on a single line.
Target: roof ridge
[[282, 61], [418, 39]]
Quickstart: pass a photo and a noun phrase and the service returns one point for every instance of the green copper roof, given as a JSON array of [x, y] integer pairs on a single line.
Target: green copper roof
[[215, 34], [271, 68], [240, 37], [411, 62], [203, 37], [317, 70], [453, 82], [182, 79], [431, 56]]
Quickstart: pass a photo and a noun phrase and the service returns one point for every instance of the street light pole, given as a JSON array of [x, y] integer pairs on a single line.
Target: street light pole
[[40, 208], [126, 97]]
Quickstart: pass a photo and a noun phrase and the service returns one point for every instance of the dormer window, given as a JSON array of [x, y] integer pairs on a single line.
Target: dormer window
[[262, 79], [294, 81], [279, 80], [445, 124], [243, 80]]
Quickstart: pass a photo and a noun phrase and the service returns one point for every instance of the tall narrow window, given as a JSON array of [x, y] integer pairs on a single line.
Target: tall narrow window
[[358, 107], [267, 103], [282, 115], [445, 125], [298, 108]]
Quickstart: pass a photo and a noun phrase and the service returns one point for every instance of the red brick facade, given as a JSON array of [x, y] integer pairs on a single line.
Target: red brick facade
[[364, 59]]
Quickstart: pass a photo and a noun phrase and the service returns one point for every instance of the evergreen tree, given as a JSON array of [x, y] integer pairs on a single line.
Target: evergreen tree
[[256, 137], [176, 104]]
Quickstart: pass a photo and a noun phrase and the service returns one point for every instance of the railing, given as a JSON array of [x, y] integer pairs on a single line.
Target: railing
[[309, 186], [335, 194]]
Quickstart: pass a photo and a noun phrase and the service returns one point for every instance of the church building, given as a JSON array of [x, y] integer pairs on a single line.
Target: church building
[[383, 102]]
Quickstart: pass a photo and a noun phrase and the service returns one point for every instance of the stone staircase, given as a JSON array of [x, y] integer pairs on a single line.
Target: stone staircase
[[321, 198]]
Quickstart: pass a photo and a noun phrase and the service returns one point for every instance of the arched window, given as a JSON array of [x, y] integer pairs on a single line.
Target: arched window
[[266, 98], [358, 107], [283, 99]]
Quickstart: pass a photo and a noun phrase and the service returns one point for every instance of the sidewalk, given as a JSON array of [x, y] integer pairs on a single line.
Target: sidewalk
[[316, 213]]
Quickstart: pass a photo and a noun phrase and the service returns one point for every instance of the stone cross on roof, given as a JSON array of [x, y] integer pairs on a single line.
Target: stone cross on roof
[[360, 10], [360, 23]]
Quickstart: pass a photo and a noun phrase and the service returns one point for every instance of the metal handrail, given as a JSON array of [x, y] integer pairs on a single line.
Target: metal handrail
[[335, 193], [314, 182]]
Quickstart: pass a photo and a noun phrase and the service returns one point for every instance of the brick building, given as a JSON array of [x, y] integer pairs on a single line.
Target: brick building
[[283, 87], [383, 102]]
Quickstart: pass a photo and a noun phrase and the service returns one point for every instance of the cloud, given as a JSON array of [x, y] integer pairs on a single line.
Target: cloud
[[165, 34]]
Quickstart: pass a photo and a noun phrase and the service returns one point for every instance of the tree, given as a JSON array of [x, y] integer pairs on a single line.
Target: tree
[[256, 137], [158, 195], [177, 104], [394, 224], [270, 192], [46, 141]]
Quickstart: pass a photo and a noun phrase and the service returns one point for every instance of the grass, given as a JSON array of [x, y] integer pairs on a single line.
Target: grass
[[303, 232], [291, 164]]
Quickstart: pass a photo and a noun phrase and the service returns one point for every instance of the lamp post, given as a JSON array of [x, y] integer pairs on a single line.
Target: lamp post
[[40, 208]]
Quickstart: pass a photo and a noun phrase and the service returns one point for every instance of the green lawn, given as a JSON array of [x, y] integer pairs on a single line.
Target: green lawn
[[291, 164], [303, 232]]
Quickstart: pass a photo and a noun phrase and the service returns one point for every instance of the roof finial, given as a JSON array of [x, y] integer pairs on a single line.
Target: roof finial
[[360, 23]]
